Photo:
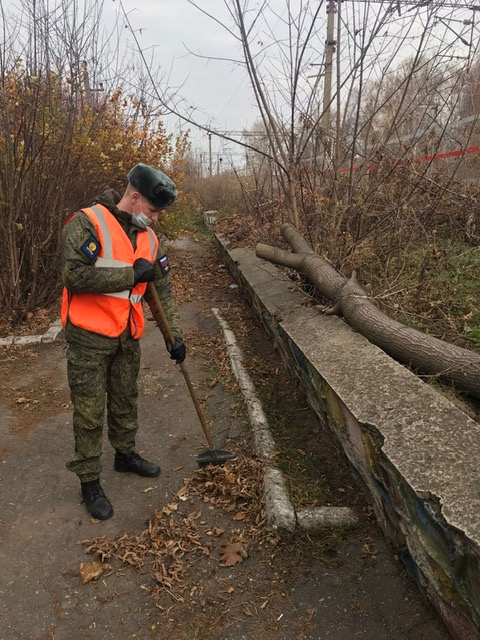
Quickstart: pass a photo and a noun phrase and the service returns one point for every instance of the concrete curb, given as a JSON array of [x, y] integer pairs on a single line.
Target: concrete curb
[[50, 335], [281, 513]]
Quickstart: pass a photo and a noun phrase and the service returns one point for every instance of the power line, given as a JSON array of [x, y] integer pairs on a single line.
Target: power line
[[238, 133], [426, 4]]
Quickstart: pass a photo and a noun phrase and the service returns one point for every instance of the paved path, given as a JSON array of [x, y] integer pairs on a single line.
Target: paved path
[[42, 519]]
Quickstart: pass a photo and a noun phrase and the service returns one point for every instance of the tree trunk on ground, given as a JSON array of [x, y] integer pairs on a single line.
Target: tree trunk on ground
[[351, 300]]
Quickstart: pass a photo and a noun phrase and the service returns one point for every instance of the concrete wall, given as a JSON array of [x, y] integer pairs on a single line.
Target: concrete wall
[[417, 454]]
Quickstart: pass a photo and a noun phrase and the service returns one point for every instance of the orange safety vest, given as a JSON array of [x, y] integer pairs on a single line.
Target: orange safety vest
[[109, 313]]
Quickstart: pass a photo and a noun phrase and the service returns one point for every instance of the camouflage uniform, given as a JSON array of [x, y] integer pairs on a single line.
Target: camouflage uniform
[[99, 365]]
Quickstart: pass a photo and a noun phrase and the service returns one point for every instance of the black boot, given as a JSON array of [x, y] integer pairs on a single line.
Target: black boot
[[96, 501], [135, 464]]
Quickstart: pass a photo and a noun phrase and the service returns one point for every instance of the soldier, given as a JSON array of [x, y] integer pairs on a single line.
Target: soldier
[[109, 253]]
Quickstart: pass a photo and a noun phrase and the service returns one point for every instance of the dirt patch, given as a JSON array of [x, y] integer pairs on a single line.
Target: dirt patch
[[30, 393]]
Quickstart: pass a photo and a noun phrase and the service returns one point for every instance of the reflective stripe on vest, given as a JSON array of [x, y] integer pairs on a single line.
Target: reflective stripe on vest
[[108, 261]]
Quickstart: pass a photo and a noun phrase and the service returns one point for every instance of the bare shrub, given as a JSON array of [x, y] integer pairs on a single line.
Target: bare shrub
[[222, 192], [61, 144]]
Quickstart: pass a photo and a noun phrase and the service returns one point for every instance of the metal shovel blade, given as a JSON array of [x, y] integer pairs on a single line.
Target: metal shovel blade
[[214, 456]]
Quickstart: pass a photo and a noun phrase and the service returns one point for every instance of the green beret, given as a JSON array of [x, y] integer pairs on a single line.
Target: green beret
[[153, 185]]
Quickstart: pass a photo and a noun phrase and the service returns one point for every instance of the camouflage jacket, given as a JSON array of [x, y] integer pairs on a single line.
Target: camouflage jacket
[[80, 276]]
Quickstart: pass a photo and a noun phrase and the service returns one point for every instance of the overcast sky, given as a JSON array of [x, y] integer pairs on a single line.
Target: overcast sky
[[218, 90]]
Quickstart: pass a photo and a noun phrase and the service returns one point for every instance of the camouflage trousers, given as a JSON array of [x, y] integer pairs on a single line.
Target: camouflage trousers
[[95, 375]]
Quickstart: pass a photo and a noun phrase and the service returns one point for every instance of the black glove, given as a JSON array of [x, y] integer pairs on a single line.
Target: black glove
[[144, 271], [177, 351]]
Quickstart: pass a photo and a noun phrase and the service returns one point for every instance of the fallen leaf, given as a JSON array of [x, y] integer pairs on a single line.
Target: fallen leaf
[[21, 400], [182, 492], [369, 549], [229, 476], [233, 554], [230, 590], [90, 571], [170, 508], [147, 489], [241, 515]]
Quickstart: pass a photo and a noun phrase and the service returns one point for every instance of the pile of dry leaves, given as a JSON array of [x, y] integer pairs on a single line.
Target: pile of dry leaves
[[181, 534], [239, 230]]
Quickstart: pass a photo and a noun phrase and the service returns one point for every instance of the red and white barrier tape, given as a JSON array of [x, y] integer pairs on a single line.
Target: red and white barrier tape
[[437, 156]]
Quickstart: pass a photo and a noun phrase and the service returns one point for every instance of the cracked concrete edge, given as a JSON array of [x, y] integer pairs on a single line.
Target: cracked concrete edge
[[264, 443], [280, 511], [50, 335], [279, 508], [318, 517]]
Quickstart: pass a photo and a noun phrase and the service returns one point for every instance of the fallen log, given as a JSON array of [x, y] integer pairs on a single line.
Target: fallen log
[[351, 299]]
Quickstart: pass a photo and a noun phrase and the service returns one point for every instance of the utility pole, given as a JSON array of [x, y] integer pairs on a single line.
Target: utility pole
[[88, 89], [86, 84], [209, 154], [338, 128], [327, 82]]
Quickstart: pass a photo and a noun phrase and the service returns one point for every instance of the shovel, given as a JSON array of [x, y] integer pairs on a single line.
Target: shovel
[[211, 456]]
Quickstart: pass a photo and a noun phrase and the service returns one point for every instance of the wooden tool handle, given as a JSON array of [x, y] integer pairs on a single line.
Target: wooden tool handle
[[153, 301]]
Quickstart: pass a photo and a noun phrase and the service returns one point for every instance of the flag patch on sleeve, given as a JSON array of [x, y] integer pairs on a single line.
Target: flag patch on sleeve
[[164, 265], [91, 248]]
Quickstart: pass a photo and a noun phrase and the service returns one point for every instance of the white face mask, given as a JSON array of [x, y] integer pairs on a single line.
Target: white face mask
[[141, 220]]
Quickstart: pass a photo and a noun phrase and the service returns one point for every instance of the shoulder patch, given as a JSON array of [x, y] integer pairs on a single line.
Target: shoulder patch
[[91, 248], [164, 265]]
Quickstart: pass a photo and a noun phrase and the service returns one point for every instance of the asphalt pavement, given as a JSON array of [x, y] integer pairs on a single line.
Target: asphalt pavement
[[43, 521]]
